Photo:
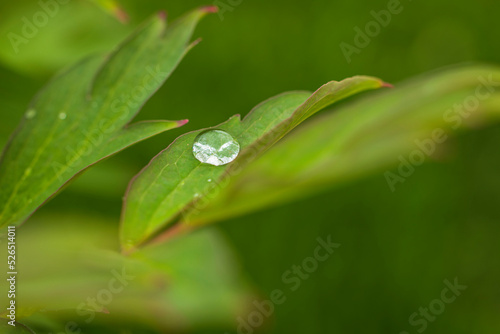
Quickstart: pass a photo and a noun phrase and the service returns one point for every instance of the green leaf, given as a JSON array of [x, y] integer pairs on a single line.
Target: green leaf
[[191, 281], [41, 50], [81, 116], [371, 135], [174, 179]]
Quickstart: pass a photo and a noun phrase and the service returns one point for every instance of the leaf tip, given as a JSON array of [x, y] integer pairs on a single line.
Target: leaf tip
[[182, 122], [236, 117], [209, 9], [387, 85], [162, 15], [122, 15]]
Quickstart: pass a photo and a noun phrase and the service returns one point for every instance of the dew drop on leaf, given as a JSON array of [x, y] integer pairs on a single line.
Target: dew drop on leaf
[[30, 113], [62, 115], [215, 147]]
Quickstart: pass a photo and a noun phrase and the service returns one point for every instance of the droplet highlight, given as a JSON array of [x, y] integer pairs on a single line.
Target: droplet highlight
[[62, 115], [215, 147]]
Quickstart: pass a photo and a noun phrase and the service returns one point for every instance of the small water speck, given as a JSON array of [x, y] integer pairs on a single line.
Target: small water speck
[[209, 180], [30, 113], [62, 115], [215, 147]]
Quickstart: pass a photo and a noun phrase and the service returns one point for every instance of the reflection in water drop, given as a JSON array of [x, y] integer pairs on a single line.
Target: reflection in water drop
[[30, 113], [215, 147]]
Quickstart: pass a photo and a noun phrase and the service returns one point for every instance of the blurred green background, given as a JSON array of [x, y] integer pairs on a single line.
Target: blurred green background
[[396, 248]]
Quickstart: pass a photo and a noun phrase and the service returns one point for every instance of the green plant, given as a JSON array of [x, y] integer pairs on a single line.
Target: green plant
[[87, 108], [81, 116]]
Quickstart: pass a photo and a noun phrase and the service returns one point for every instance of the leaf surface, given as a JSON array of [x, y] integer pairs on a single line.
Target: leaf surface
[[193, 281], [174, 180], [410, 123], [82, 115]]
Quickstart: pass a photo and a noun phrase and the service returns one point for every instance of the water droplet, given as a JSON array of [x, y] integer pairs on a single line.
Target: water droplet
[[30, 113], [209, 180], [215, 147], [62, 115], [196, 195]]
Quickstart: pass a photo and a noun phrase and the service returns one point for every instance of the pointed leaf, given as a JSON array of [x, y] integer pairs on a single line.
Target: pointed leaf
[[174, 179], [81, 116], [371, 135]]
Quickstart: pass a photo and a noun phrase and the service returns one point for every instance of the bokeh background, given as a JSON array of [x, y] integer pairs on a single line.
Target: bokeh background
[[396, 248]]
